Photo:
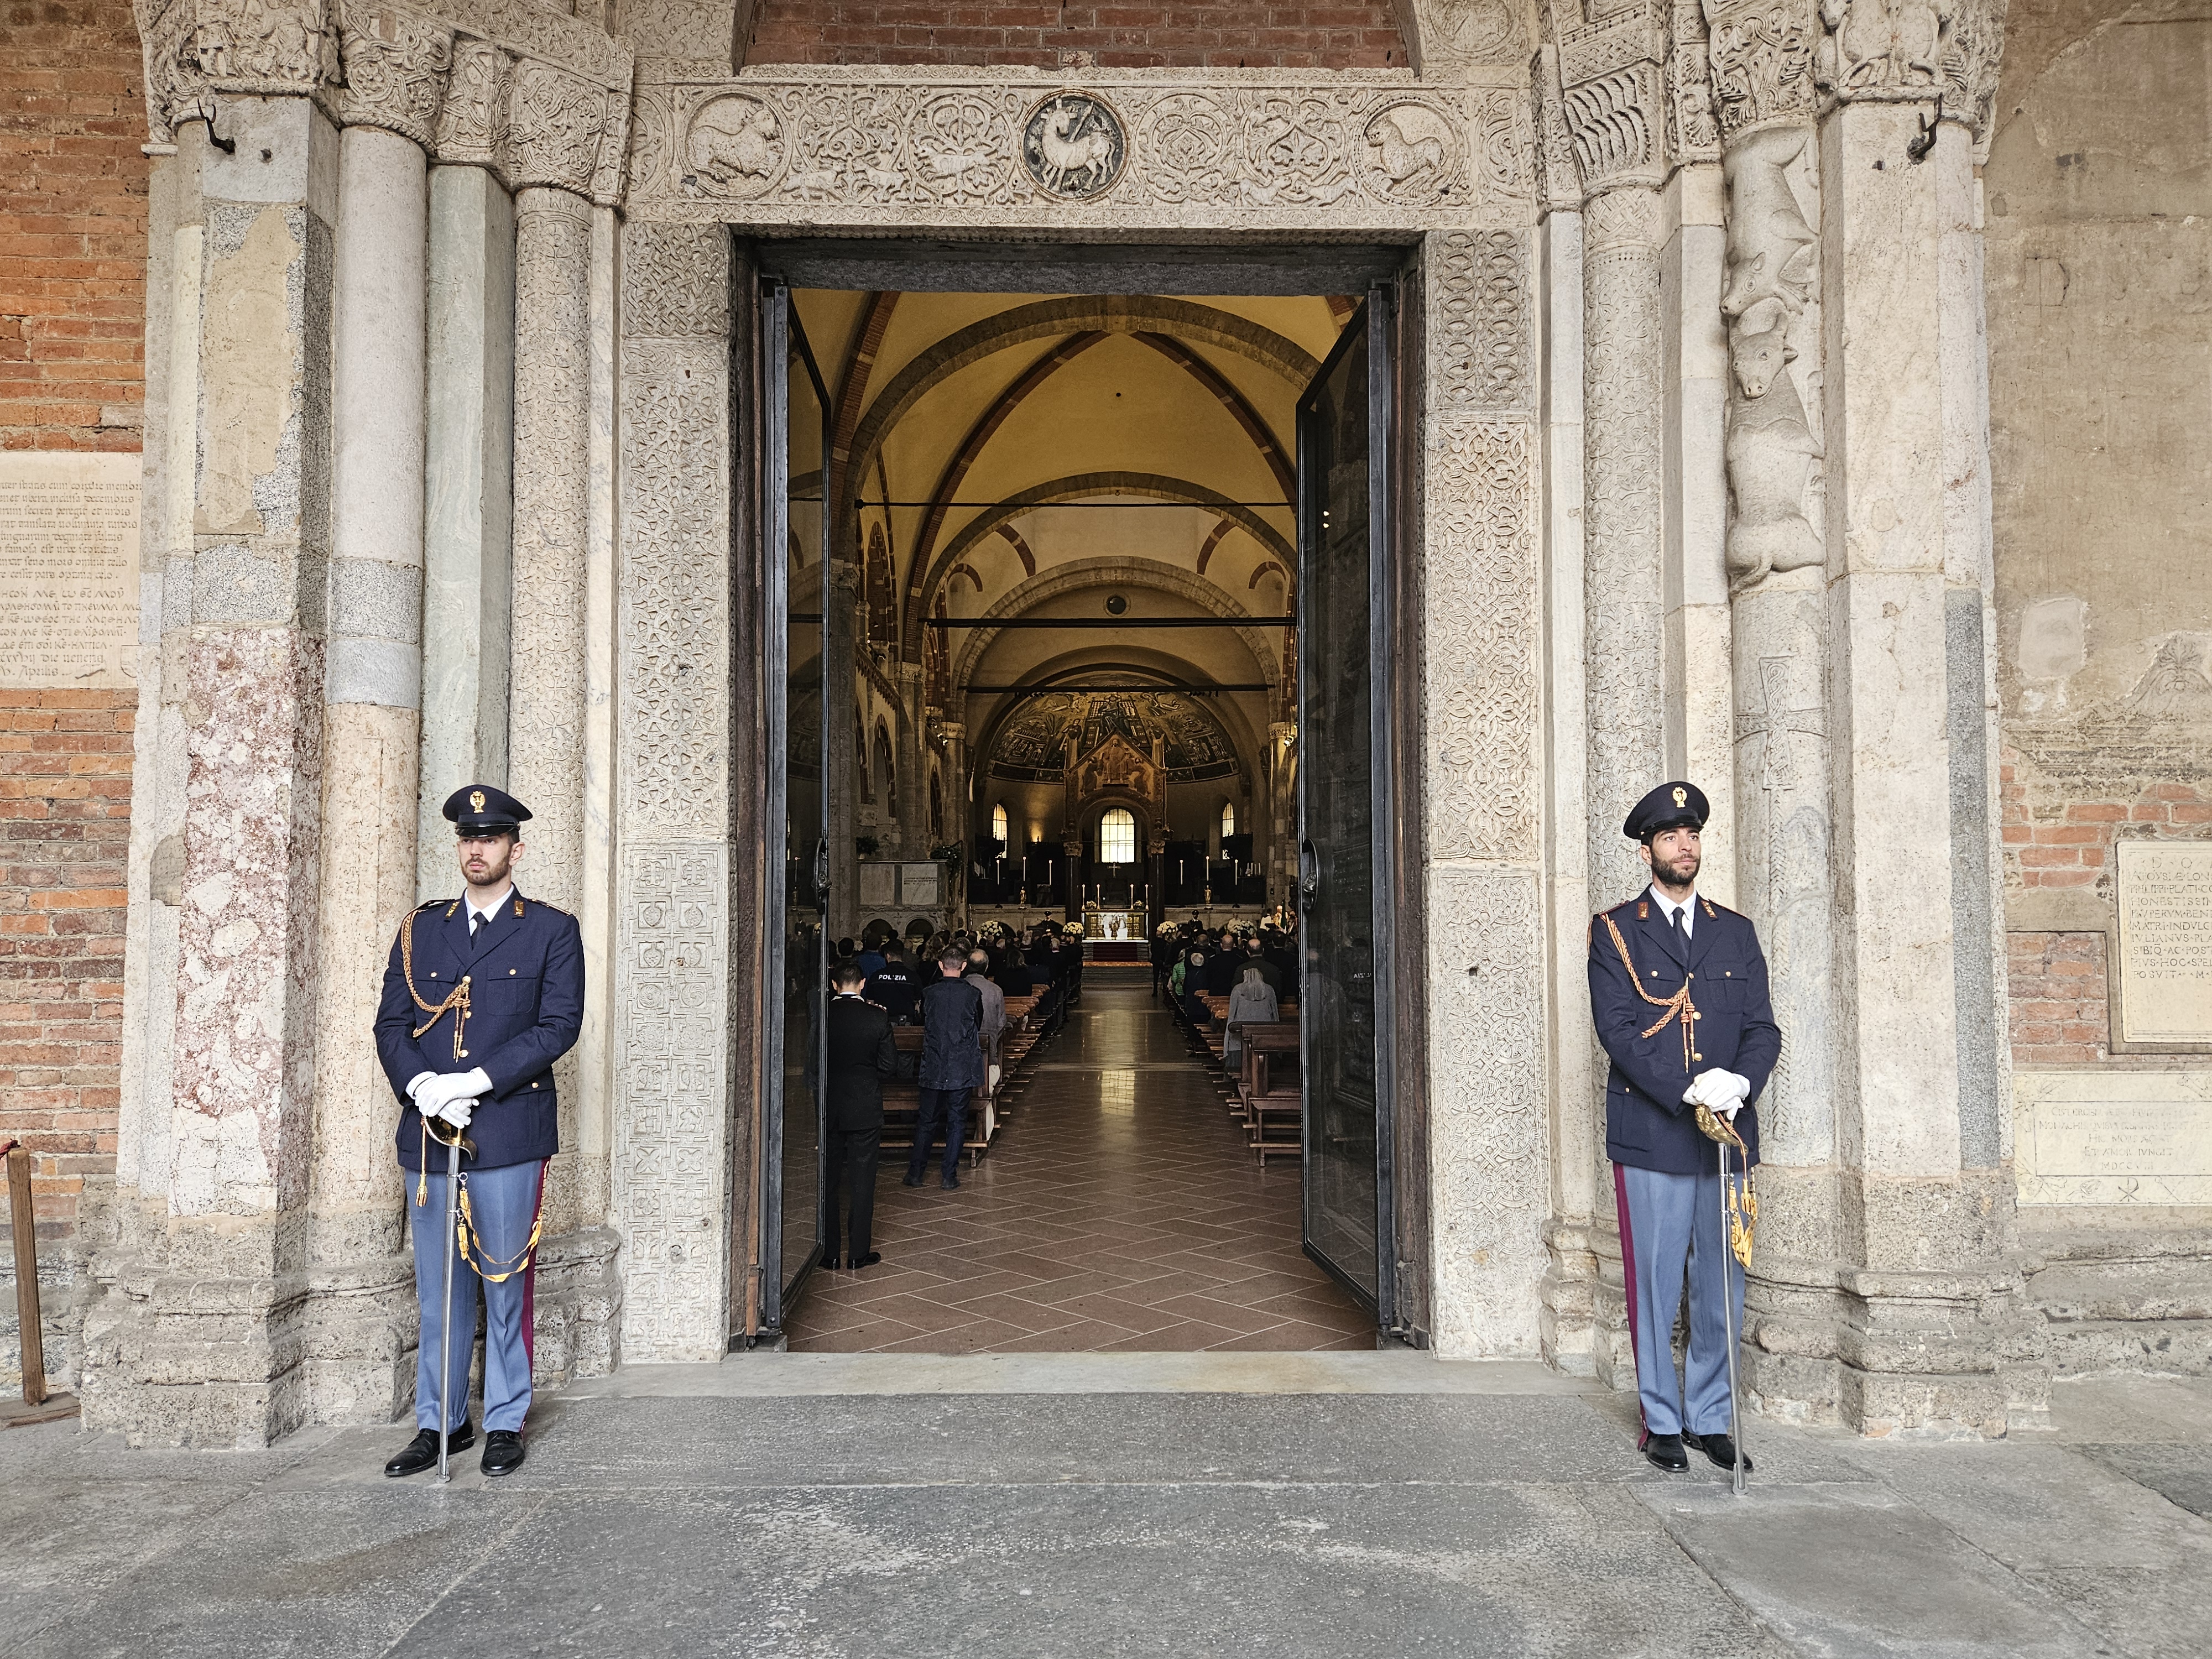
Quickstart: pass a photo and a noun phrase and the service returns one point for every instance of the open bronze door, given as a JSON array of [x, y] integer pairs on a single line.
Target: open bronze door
[[1351, 826], [794, 561]]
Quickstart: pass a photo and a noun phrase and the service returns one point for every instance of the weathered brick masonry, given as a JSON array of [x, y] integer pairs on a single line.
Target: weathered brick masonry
[[994, 31], [72, 320]]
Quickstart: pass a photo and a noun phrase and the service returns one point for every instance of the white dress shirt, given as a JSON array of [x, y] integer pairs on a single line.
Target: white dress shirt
[[1668, 907]]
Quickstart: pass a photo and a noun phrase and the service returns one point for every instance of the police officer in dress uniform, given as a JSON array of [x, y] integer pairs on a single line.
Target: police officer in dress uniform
[[482, 995], [1678, 989]]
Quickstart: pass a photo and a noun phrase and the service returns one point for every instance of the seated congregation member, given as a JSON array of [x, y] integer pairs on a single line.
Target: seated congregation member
[[951, 1064], [1195, 964], [1256, 959], [1223, 966], [1252, 1002], [891, 987], [1013, 975], [871, 955], [862, 1054]]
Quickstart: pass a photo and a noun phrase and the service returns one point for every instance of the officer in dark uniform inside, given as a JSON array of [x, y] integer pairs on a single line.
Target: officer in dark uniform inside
[[482, 995], [862, 1054], [1678, 990]]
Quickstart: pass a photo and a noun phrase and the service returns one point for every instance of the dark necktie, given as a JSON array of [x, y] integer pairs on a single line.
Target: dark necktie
[[1681, 925], [479, 924]]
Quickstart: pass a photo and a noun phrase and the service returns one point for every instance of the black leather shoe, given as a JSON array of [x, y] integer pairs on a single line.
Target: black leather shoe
[[951, 1183], [867, 1260], [503, 1453], [1720, 1449], [1665, 1451], [421, 1452], [831, 1263], [912, 1180]]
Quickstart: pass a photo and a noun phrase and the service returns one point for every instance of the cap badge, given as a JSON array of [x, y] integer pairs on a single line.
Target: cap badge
[[1681, 796], [476, 799]]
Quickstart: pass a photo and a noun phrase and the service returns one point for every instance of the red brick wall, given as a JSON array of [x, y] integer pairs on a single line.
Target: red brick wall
[[65, 837], [72, 225], [2058, 832], [1203, 33], [72, 321]]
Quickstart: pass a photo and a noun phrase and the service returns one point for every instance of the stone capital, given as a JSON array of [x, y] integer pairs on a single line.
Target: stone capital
[[1944, 52], [196, 48], [472, 117], [556, 122], [1693, 132], [1612, 96], [395, 63], [1761, 52]]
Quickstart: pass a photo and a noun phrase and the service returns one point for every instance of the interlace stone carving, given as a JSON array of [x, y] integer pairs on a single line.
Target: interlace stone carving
[[472, 121], [1612, 96], [856, 146], [1762, 62], [555, 123], [1483, 598], [396, 63], [1693, 132], [1481, 309]]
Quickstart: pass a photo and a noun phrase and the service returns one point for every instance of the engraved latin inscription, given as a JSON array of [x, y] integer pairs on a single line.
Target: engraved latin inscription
[[2113, 1137], [2166, 941], [69, 569]]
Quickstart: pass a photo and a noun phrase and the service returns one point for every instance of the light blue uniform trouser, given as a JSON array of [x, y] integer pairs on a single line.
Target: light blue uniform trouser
[[504, 1202], [1670, 1224]]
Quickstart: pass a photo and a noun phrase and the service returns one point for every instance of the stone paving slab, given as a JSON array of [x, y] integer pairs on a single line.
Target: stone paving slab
[[1035, 1526]]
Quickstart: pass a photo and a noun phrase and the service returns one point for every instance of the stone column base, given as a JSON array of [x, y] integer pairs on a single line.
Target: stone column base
[[1567, 1302]]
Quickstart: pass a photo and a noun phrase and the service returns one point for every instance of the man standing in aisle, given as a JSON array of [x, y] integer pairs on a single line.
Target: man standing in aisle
[[862, 1054], [1678, 989], [952, 1064], [482, 995]]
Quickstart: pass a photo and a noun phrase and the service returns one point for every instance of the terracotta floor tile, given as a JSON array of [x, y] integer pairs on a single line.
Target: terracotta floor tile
[[1121, 1226]]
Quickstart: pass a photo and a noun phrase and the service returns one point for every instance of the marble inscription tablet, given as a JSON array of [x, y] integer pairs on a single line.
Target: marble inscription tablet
[[2165, 940], [68, 570], [878, 885], [2112, 1137], [919, 885]]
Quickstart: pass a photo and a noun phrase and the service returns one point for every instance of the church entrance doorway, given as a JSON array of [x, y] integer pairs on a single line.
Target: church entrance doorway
[[1082, 617]]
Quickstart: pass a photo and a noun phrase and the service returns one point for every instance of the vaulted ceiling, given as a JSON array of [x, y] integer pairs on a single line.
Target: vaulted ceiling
[[981, 417]]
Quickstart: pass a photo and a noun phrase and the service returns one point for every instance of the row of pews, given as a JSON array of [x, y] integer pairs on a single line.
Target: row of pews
[[1263, 1093], [1021, 1042]]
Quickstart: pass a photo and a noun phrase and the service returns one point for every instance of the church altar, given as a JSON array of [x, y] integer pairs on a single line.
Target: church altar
[[1116, 925]]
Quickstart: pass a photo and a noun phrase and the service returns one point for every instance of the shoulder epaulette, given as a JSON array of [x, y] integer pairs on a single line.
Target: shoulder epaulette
[[1713, 906], [542, 905], [430, 904]]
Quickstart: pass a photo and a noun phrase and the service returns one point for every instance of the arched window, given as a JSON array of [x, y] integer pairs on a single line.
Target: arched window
[[884, 770], [1228, 819], [1117, 836], [999, 825]]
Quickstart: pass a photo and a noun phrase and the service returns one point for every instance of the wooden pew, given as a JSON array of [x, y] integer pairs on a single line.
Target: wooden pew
[[902, 1107]]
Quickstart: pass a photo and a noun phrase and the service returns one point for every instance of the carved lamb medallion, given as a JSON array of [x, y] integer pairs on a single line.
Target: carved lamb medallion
[[1074, 146], [735, 146]]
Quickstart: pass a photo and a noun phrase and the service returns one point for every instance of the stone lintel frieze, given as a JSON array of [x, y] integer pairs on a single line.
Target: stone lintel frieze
[[395, 61], [1613, 94], [1355, 153], [1942, 52]]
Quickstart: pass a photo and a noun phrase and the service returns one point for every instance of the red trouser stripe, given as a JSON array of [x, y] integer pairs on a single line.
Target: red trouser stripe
[[529, 1277], [1628, 1280]]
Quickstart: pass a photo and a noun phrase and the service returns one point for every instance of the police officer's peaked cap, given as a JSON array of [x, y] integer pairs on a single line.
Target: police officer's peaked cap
[[1670, 806], [478, 809]]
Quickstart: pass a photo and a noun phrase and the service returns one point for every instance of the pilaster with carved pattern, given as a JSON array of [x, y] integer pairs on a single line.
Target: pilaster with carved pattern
[[395, 63]]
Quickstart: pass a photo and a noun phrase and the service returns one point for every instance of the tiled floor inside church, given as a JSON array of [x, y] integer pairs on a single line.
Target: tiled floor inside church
[[1120, 1209]]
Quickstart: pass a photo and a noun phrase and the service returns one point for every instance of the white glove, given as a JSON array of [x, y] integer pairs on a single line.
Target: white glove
[[433, 1097], [457, 1112], [1721, 1090]]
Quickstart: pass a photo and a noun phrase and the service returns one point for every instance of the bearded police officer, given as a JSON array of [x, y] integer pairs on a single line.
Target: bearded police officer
[[1678, 988], [482, 995]]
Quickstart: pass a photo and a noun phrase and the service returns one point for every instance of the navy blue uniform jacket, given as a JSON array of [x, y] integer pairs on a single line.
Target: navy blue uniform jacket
[[526, 978], [1647, 1127], [952, 1035]]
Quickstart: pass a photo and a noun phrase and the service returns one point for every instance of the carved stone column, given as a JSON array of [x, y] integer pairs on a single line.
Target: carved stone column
[[917, 836], [556, 123], [1611, 99], [1930, 1333], [1770, 306]]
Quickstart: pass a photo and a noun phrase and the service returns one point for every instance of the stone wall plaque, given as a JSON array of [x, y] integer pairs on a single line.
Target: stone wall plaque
[[2112, 1137], [878, 885], [2164, 942], [68, 570], [919, 885]]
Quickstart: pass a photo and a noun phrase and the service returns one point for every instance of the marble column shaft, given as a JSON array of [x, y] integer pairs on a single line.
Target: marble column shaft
[[469, 489], [373, 684]]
